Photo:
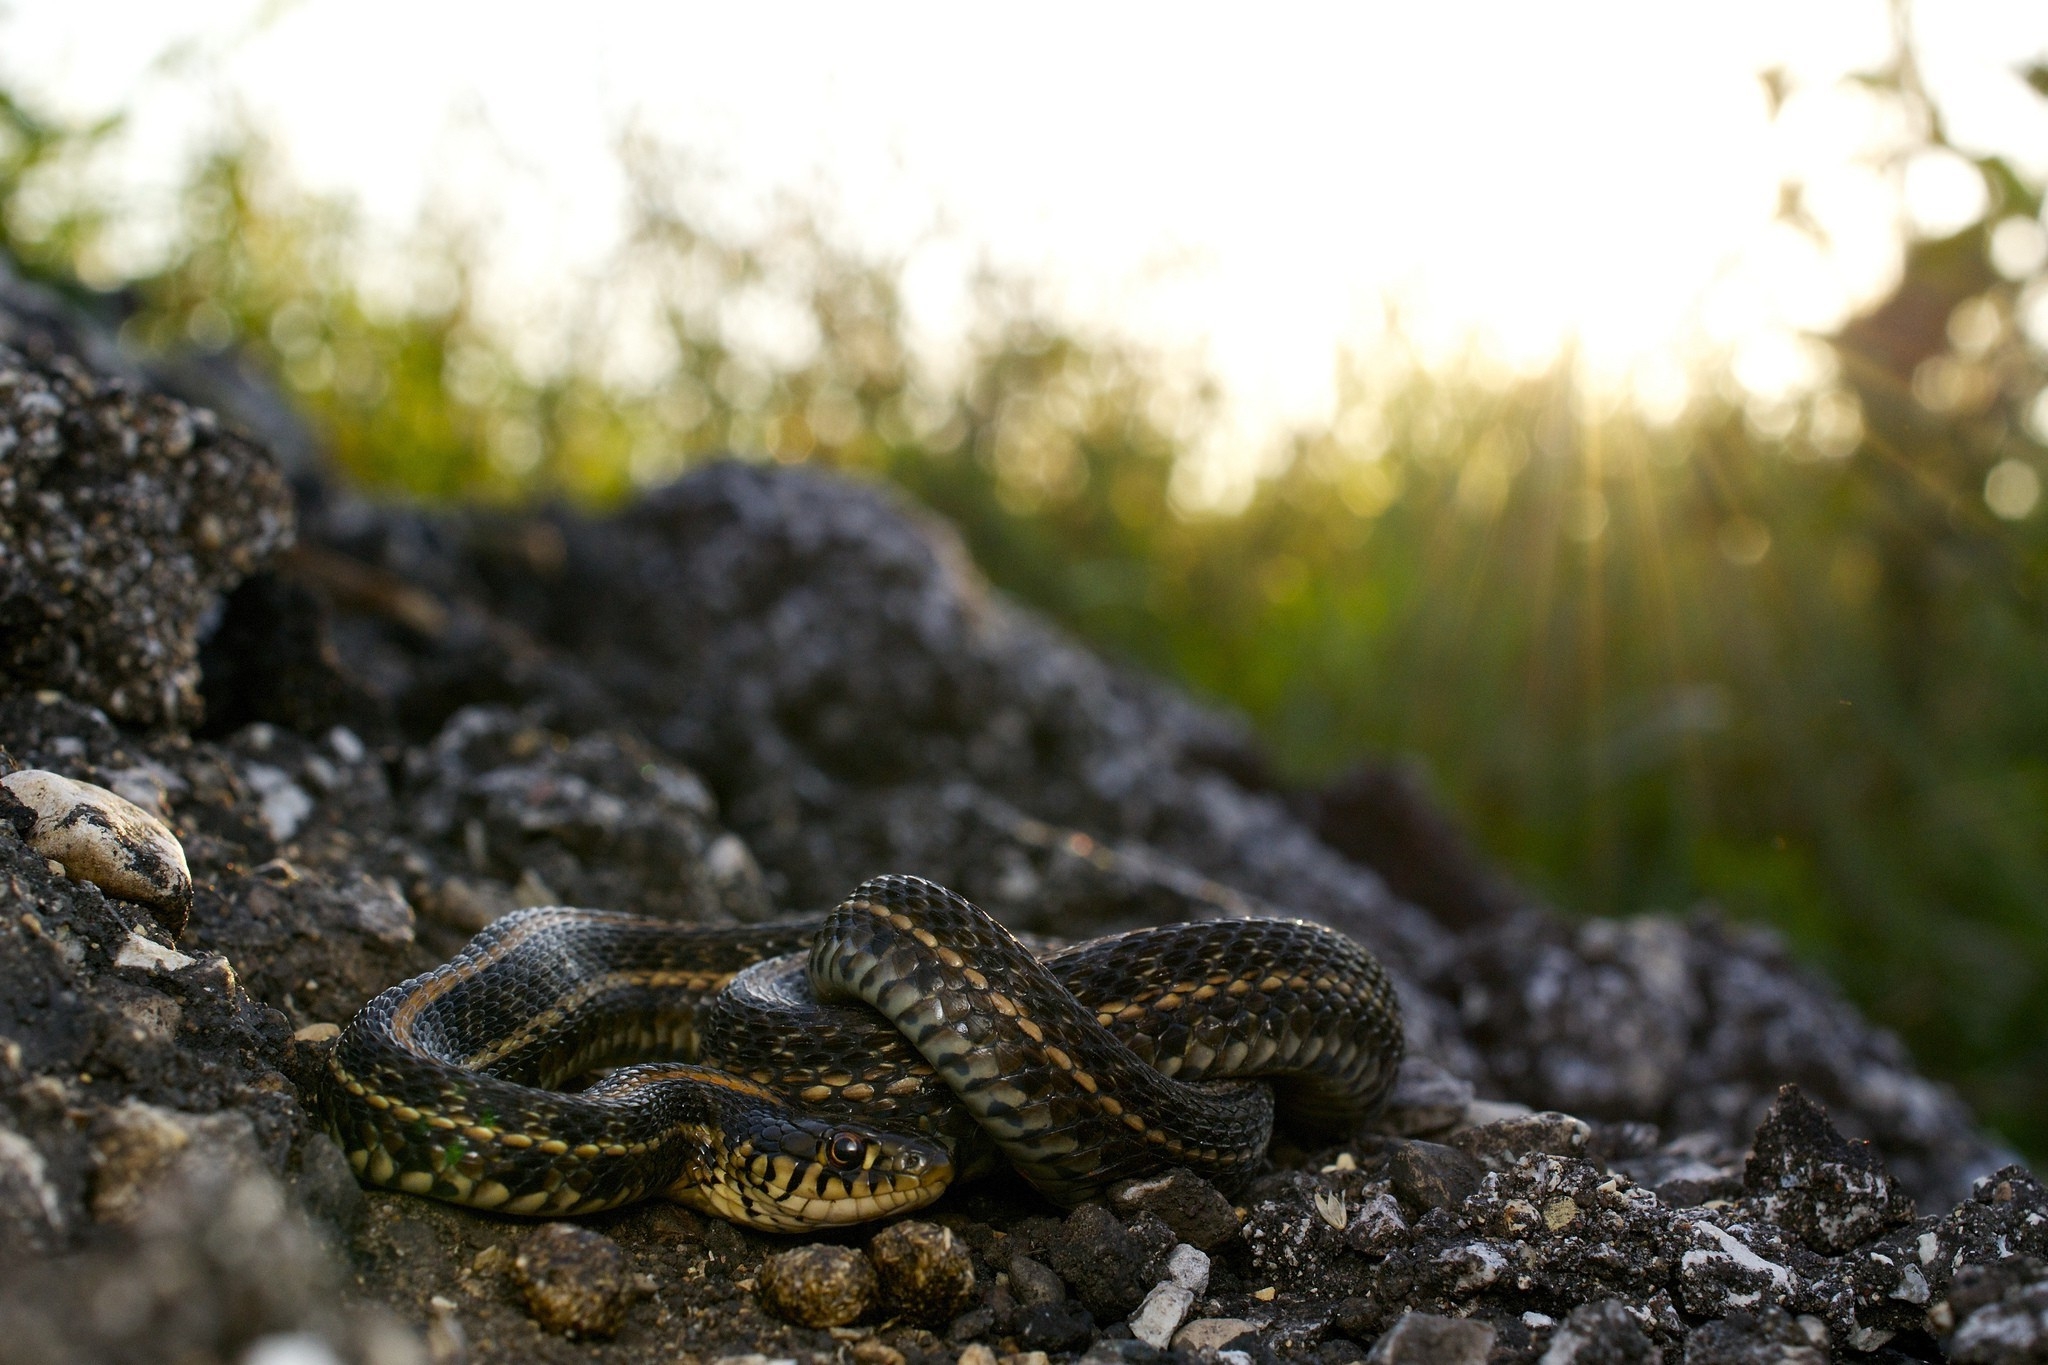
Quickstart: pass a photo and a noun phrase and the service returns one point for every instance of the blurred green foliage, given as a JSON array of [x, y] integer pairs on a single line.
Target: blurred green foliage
[[1785, 659]]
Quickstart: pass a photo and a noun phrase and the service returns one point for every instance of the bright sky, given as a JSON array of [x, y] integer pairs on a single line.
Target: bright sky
[[1248, 191]]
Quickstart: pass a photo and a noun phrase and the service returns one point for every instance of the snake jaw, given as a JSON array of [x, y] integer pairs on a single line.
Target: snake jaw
[[796, 1173]]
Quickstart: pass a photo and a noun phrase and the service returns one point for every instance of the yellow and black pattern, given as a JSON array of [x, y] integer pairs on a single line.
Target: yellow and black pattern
[[1128, 1054], [940, 1042], [442, 1086]]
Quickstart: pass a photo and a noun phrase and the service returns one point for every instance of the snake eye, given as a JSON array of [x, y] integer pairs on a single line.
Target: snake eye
[[847, 1149]]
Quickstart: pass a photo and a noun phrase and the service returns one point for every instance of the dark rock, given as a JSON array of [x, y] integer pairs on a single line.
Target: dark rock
[[597, 820], [1426, 1100], [1769, 1336], [1107, 1269], [975, 1323], [1154, 1240], [1497, 1145], [127, 515], [272, 659], [1197, 1211], [1691, 1169], [818, 1285], [1603, 1333], [1298, 1331], [2000, 1313], [1062, 1325], [324, 1184], [574, 1279], [1425, 1339], [1727, 1262], [213, 1261], [1295, 1234], [1427, 1175], [1377, 1226], [1831, 1192], [1123, 1351], [925, 1272], [1033, 1283], [1613, 1142]]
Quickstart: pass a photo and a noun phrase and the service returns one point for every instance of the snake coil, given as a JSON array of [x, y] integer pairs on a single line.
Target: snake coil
[[915, 1041]]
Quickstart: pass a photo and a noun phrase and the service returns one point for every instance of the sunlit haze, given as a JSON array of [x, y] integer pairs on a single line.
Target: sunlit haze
[[1252, 193]]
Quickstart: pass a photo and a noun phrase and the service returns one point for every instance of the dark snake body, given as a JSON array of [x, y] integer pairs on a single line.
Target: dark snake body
[[915, 1021]]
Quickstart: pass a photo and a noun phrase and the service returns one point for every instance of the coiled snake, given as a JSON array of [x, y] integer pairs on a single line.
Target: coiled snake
[[916, 1041]]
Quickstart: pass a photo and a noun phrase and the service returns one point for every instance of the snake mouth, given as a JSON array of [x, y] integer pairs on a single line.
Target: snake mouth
[[797, 1177]]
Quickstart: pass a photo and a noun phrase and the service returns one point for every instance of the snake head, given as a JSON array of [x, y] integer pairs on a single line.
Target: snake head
[[785, 1171]]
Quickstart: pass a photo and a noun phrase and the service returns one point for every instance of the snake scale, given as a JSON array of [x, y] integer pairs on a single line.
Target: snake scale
[[791, 1076]]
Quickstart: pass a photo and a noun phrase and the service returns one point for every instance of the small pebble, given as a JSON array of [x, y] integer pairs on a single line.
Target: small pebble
[[1188, 1268], [1427, 1339], [818, 1285], [872, 1352], [1598, 1333], [1377, 1225], [1163, 1310], [977, 1354], [1499, 1143], [290, 1348], [1428, 1175], [102, 838], [924, 1270], [144, 954], [574, 1279], [1211, 1334], [1425, 1099], [1033, 1283]]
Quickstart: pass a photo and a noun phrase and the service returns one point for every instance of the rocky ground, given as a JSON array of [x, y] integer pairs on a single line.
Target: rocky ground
[[374, 730]]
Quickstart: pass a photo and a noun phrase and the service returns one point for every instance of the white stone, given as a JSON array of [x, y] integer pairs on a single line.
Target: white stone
[[290, 1348], [1735, 1252], [149, 956], [103, 838], [346, 746], [1188, 1267], [1479, 1113], [25, 1181], [284, 802], [1163, 1310], [1912, 1286]]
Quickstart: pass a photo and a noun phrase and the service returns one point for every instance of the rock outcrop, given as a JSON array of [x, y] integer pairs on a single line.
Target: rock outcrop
[[736, 699]]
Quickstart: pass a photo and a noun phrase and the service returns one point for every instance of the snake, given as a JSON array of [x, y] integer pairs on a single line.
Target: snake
[[795, 1076]]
